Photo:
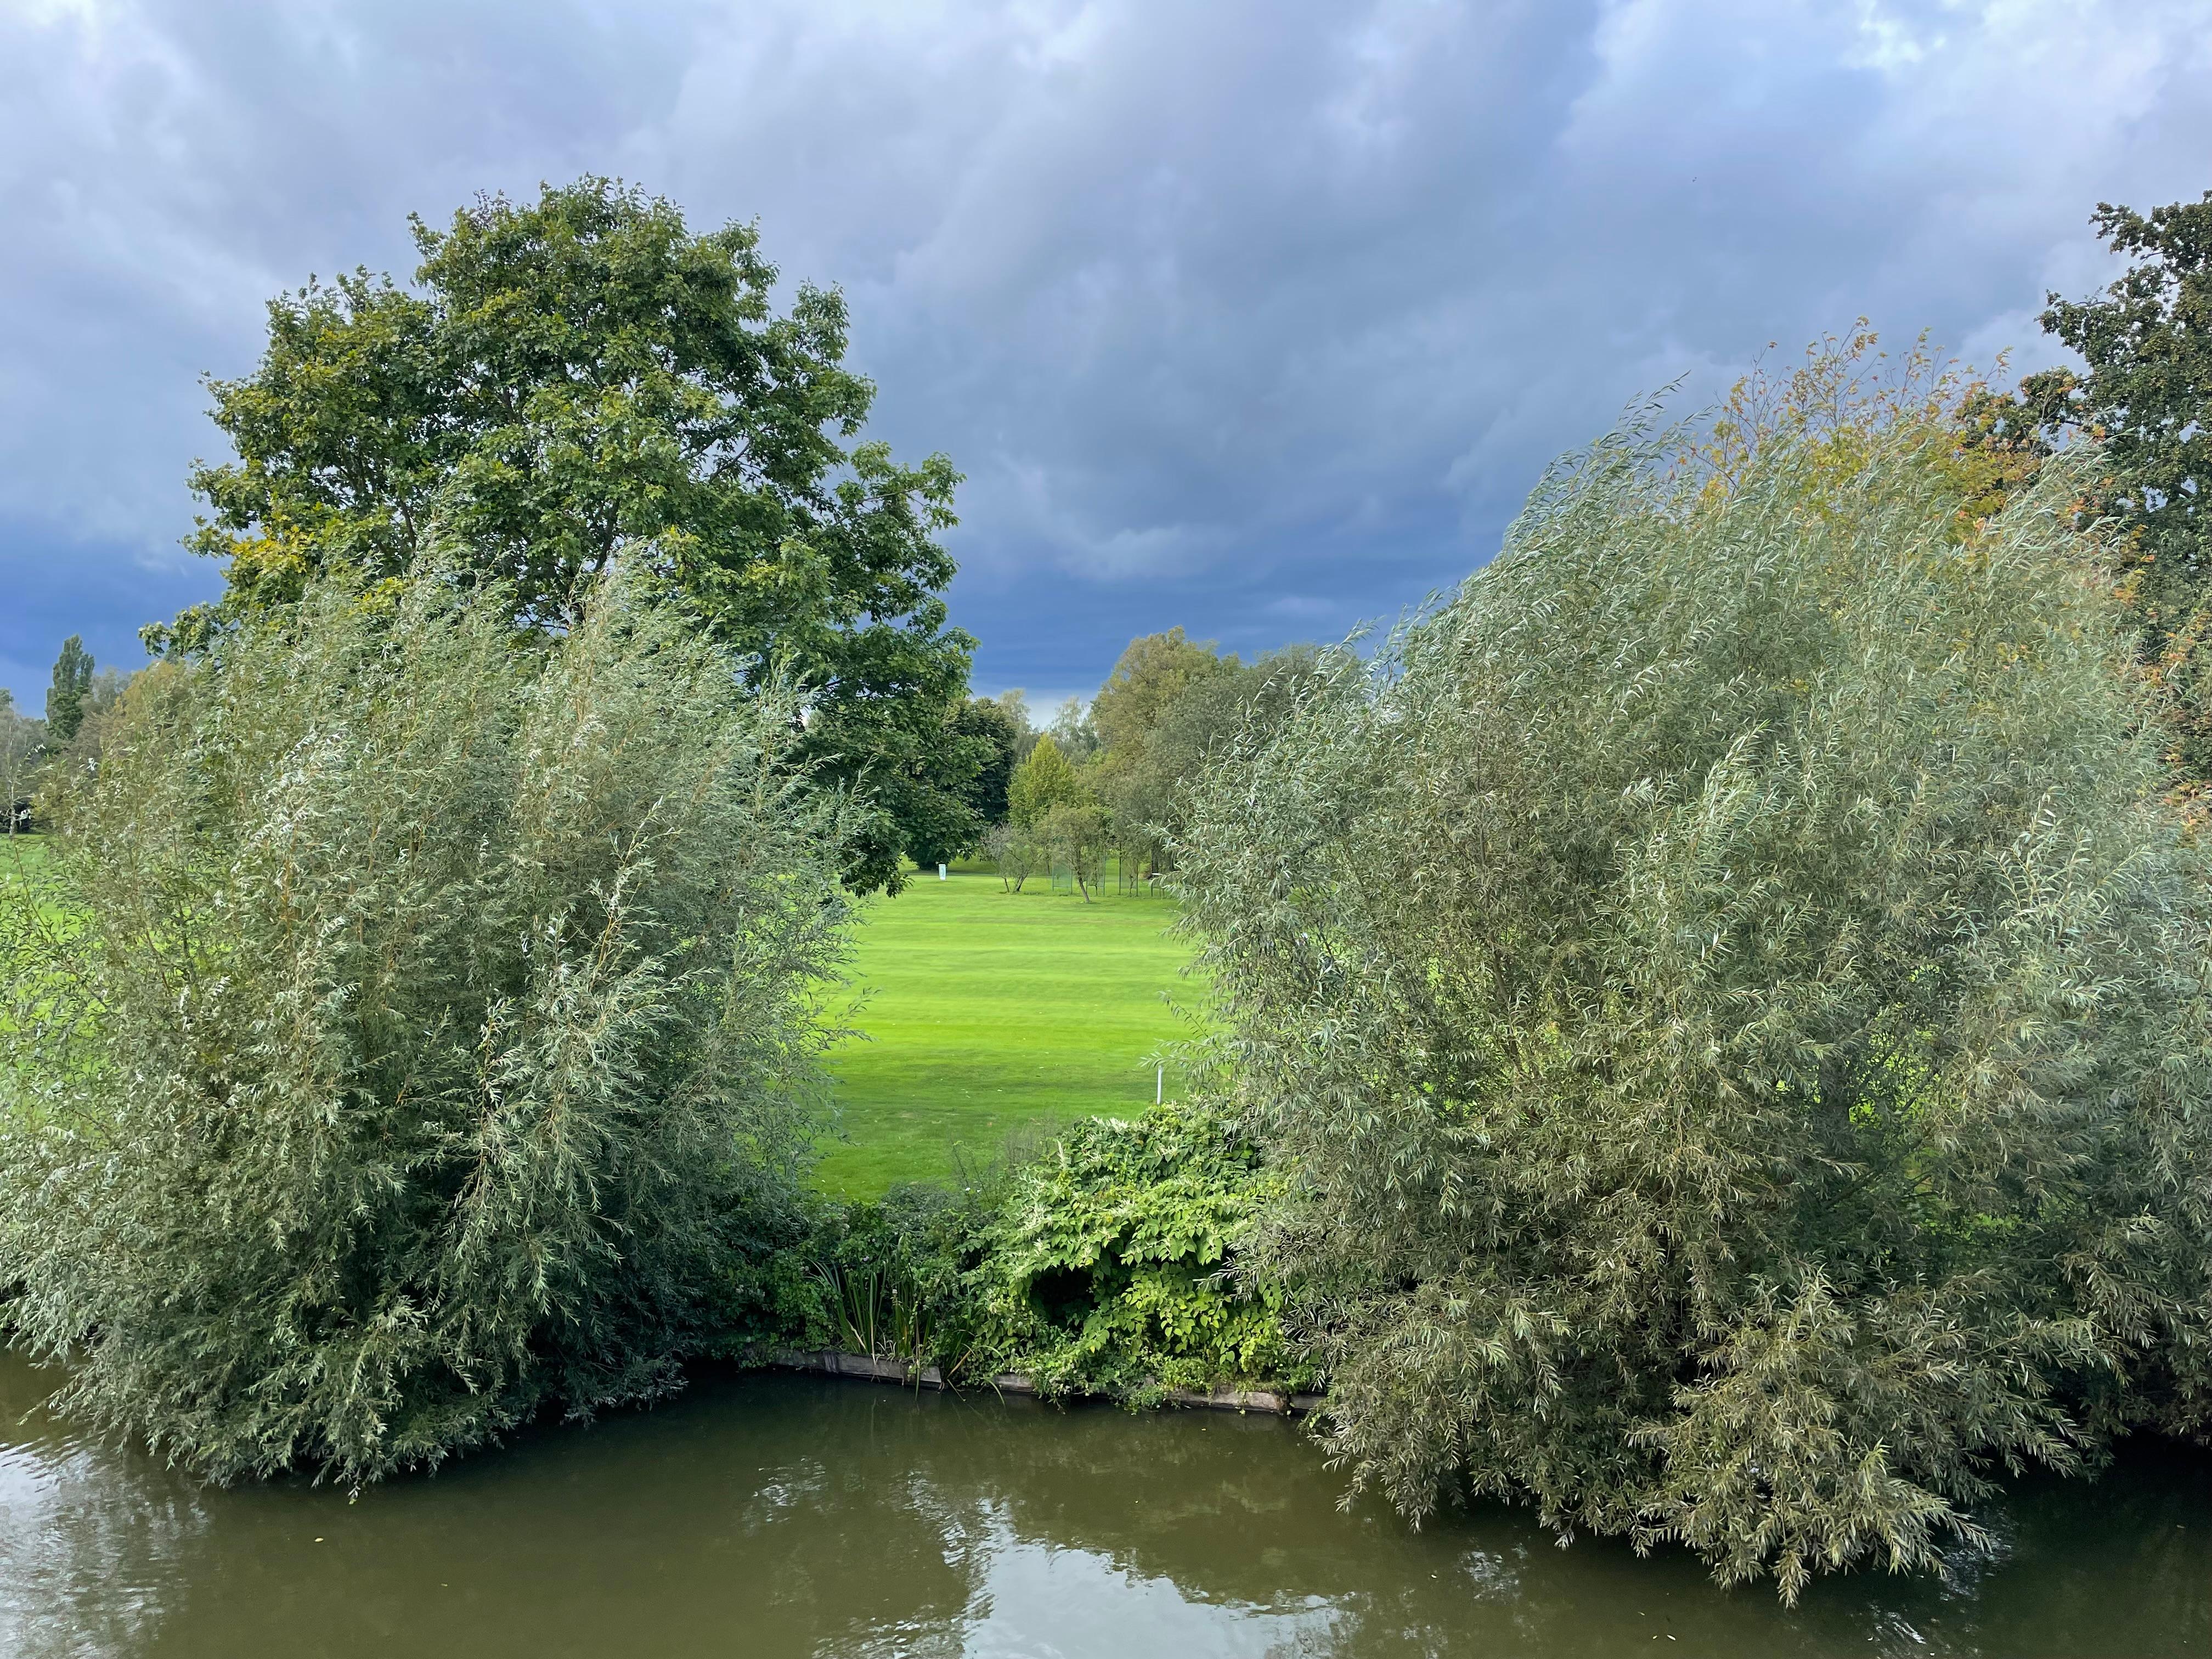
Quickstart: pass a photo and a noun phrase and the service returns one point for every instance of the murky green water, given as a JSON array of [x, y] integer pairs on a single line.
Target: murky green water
[[781, 1515]]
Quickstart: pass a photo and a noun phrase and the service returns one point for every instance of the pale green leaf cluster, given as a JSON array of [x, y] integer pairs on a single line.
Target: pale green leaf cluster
[[409, 1023], [1727, 997]]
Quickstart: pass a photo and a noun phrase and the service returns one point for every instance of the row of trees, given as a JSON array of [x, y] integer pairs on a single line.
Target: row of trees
[[1107, 781]]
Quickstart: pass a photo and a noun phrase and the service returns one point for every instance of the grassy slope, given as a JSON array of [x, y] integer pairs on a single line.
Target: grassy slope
[[992, 1012]]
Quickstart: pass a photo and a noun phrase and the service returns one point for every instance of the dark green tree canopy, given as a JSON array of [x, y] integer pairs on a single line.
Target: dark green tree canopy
[[580, 375], [65, 696], [2147, 342], [2146, 395], [1000, 721]]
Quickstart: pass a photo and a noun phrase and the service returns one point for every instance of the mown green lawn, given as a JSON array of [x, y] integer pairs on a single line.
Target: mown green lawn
[[987, 1017], [993, 1014]]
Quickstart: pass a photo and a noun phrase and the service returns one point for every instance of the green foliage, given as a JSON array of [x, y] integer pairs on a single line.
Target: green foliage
[[1075, 732], [1080, 839], [22, 741], [893, 1276], [1108, 1268], [1150, 675], [1103, 1264], [413, 1027], [1045, 779], [2147, 342], [1725, 996], [65, 697], [1207, 720], [1000, 724], [2147, 397], [1014, 853], [580, 376]]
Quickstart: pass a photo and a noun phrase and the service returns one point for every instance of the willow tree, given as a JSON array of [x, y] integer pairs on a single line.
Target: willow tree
[[411, 1029], [1728, 997]]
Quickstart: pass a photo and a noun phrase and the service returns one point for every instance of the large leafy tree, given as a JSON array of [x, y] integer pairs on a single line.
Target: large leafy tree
[[1152, 673], [581, 375], [1726, 996], [2145, 394], [1002, 721], [1210, 718]]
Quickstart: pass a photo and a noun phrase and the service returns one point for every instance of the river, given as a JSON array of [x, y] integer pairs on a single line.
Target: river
[[780, 1515]]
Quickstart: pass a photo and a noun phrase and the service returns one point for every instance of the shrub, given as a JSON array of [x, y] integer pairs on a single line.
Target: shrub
[[1108, 1267], [1101, 1263], [411, 1028], [1726, 997]]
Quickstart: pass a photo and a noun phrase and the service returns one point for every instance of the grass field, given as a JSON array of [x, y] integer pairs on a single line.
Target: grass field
[[986, 1015], [990, 1013]]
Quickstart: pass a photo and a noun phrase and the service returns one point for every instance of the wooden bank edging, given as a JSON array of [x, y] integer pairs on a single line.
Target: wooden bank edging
[[871, 1368]]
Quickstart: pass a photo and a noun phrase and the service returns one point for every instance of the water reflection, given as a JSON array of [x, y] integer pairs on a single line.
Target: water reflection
[[773, 1515]]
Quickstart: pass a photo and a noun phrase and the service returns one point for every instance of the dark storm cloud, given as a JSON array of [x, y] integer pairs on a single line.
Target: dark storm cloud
[[1262, 319]]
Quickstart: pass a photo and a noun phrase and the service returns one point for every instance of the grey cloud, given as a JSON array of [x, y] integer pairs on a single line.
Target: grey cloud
[[1215, 304]]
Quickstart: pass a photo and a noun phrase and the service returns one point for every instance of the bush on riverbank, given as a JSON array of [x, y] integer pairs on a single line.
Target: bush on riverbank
[[1726, 997], [411, 1029], [1102, 1264]]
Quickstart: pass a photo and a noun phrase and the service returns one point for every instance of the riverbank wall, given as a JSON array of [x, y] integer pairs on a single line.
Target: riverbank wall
[[874, 1367]]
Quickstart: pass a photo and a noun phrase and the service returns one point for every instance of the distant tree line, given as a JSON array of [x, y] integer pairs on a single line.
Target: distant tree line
[[80, 698], [1105, 783]]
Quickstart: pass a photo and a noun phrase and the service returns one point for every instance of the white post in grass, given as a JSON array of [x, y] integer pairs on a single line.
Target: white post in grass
[[940, 873], [1160, 1086]]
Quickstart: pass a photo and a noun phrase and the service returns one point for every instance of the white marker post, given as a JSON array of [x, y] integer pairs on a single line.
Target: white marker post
[[1160, 1086], [940, 873]]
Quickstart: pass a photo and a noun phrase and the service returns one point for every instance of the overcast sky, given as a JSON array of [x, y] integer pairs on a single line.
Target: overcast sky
[[1259, 318]]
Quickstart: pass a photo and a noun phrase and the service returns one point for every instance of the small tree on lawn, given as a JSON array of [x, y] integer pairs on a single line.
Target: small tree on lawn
[[1080, 837], [1014, 851]]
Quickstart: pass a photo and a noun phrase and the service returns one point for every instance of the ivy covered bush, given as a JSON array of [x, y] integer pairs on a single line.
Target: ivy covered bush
[[413, 1029]]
